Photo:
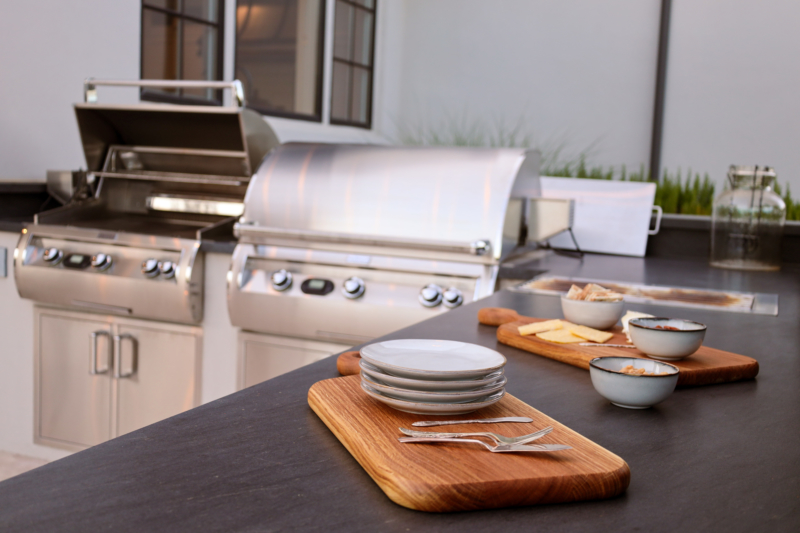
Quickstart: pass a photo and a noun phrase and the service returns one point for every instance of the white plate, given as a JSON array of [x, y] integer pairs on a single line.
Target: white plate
[[433, 359], [427, 384], [419, 408], [434, 397]]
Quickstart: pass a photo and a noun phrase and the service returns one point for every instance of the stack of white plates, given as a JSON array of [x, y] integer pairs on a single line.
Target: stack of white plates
[[432, 376]]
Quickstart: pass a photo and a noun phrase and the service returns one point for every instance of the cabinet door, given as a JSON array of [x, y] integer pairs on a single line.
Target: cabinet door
[[74, 405], [158, 371], [264, 357]]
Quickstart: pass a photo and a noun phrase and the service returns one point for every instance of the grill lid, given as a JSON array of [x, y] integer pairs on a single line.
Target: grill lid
[[432, 198]]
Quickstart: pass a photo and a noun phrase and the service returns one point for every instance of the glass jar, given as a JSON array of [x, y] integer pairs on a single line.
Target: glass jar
[[747, 222]]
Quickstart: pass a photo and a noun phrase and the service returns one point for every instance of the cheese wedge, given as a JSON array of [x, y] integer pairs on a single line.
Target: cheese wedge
[[561, 336], [590, 334], [539, 327]]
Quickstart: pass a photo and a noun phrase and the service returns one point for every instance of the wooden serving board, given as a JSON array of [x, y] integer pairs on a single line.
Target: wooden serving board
[[704, 367], [441, 477]]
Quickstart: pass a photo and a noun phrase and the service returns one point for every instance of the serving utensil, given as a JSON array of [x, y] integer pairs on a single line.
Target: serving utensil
[[499, 439], [429, 423], [498, 448]]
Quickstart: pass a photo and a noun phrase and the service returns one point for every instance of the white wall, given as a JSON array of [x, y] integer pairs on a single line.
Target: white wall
[[576, 71], [732, 87], [47, 48]]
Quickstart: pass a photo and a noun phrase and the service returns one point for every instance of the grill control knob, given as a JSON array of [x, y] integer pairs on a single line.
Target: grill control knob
[[101, 261], [353, 288], [452, 297], [281, 279], [167, 269], [53, 255], [430, 295], [150, 268]]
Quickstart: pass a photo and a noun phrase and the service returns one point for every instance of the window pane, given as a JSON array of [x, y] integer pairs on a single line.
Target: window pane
[[362, 35], [360, 98], [174, 5], [343, 31], [340, 91], [278, 54], [159, 47], [204, 9], [199, 60]]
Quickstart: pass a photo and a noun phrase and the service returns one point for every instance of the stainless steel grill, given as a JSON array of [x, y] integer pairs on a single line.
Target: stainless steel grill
[[344, 243], [165, 177]]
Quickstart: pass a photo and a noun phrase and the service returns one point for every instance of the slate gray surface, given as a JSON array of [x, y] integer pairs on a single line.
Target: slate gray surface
[[715, 458]]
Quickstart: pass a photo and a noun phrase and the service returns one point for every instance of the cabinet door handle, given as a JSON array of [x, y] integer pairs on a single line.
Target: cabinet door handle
[[118, 355], [93, 370]]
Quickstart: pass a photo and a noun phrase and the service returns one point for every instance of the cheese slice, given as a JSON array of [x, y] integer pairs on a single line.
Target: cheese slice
[[561, 336], [590, 334], [539, 327]]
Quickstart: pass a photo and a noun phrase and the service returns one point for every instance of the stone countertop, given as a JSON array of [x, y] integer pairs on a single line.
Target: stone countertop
[[713, 458]]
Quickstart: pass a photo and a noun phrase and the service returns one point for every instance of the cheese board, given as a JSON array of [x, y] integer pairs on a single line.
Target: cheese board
[[706, 366], [443, 477]]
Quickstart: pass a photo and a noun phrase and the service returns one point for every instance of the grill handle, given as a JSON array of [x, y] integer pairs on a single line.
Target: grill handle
[[479, 247], [237, 90]]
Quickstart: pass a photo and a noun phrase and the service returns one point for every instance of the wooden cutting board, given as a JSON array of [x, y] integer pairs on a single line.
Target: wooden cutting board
[[704, 367], [441, 477]]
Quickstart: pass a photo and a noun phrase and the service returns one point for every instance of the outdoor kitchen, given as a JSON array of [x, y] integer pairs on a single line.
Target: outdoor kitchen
[[274, 265]]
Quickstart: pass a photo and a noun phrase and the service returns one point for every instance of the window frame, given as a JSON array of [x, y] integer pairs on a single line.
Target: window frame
[[151, 96], [352, 64], [320, 72]]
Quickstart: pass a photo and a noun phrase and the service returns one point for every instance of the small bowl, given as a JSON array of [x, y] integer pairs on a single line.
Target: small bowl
[[598, 315], [666, 344], [631, 391]]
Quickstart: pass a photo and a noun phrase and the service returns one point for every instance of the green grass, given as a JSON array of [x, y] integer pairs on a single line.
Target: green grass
[[675, 194]]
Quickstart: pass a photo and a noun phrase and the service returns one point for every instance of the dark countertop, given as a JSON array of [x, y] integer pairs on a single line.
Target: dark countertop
[[716, 458]]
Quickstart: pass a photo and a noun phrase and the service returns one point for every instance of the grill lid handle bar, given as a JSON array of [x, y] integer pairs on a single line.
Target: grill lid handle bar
[[237, 90], [479, 247]]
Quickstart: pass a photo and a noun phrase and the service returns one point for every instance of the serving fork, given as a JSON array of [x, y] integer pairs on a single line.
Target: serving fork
[[495, 448], [499, 439]]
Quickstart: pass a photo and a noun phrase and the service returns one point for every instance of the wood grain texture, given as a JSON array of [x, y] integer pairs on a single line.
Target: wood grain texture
[[454, 477], [347, 363], [704, 367]]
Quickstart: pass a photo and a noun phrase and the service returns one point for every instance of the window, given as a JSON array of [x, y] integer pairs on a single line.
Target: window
[[279, 45], [280, 51], [182, 40], [353, 54]]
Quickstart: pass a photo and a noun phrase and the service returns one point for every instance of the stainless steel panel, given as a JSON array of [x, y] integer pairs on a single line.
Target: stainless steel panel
[[263, 357], [73, 406], [172, 126], [159, 373], [122, 288], [411, 194], [3, 262], [390, 301]]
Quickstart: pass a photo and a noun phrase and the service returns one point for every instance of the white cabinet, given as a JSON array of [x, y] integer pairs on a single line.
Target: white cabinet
[[263, 357], [99, 377]]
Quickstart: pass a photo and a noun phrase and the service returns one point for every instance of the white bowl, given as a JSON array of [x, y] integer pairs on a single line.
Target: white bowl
[[631, 391], [598, 315], [669, 345]]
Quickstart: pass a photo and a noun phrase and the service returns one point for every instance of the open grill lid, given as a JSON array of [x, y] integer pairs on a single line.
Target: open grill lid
[[442, 200], [172, 158]]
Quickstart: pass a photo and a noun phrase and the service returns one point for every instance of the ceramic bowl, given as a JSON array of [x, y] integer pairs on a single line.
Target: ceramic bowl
[[667, 344], [630, 391], [598, 315]]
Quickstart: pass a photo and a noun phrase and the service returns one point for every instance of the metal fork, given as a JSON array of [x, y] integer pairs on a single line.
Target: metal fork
[[498, 448], [499, 439]]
